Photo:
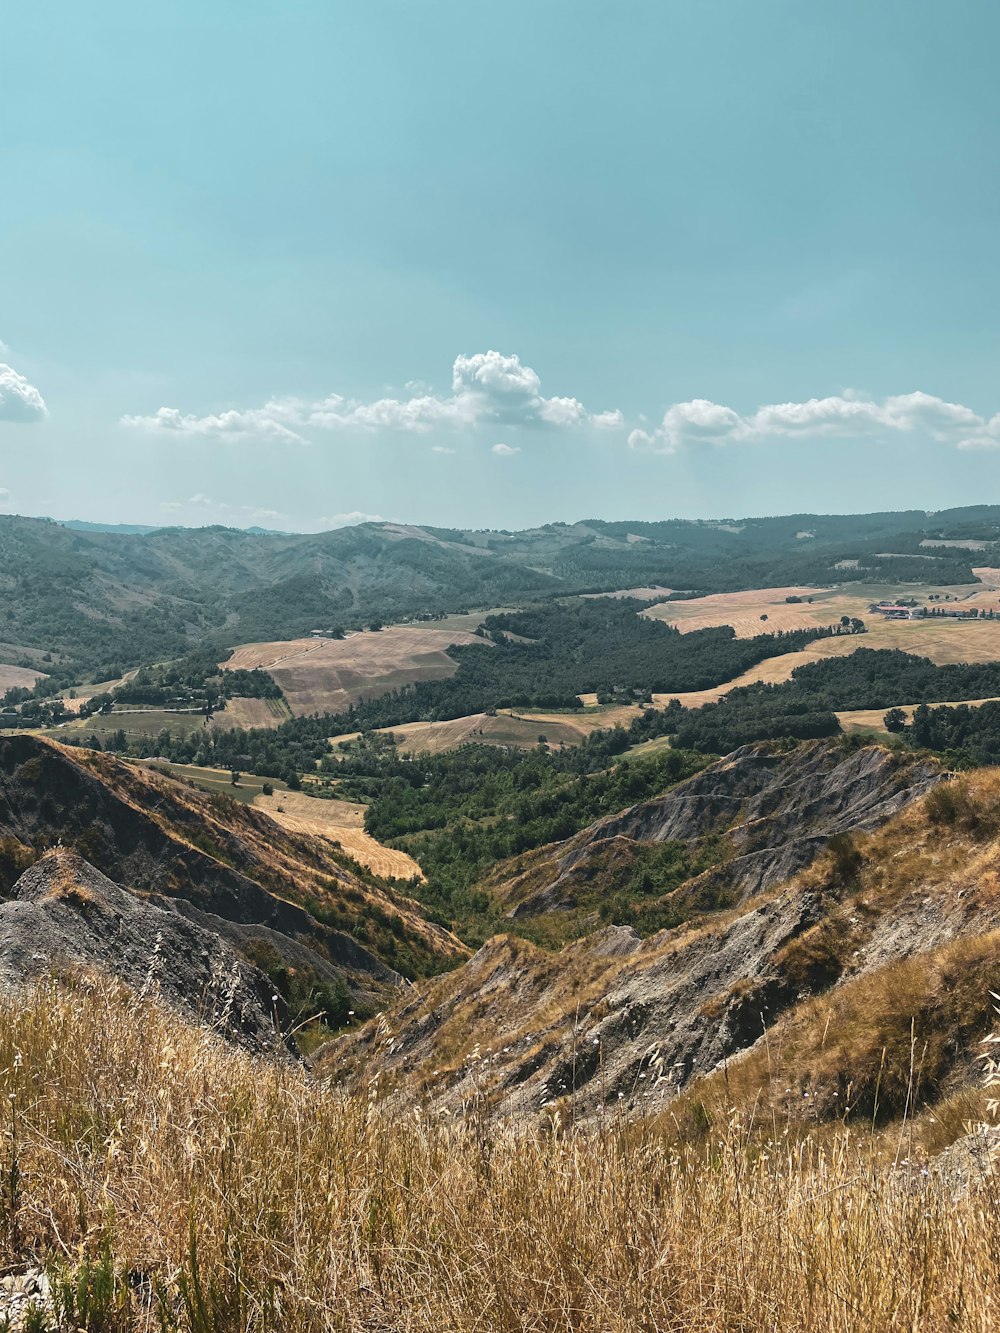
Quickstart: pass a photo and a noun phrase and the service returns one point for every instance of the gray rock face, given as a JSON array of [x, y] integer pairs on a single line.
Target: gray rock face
[[613, 1020], [65, 916], [779, 811]]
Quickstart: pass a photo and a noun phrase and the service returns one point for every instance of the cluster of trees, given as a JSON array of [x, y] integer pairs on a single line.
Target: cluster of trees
[[460, 813], [966, 736], [804, 706]]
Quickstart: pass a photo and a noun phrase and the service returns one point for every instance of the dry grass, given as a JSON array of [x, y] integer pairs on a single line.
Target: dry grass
[[341, 822], [328, 675], [172, 1184], [15, 677]]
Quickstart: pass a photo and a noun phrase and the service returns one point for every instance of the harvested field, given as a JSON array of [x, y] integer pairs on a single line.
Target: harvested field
[[268, 713], [220, 781], [328, 675], [339, 821], [942, 640], [15, 677], [83, 693], [508, 727]]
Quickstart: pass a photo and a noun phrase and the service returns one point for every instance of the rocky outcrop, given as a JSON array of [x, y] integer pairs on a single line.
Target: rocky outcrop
[[777, 809], [226, 866], [616, 1021], [64, 918]]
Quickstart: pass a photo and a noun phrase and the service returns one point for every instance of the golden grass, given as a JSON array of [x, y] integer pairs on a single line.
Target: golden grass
[[172, 1184], [341, 822], [15, 677], [327, 675]]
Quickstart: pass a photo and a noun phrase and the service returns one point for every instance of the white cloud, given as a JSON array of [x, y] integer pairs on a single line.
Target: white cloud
[[19, 400], [349, 520], [4, 495], [275, 420], [846, 416], [505, 450], [486, 387], [441, 449], [608, 420]]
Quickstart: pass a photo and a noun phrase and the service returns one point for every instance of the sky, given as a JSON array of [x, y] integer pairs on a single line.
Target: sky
[[301, 263]]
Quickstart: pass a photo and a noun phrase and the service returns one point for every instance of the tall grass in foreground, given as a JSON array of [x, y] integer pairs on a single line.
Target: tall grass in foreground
[[170, 1183]]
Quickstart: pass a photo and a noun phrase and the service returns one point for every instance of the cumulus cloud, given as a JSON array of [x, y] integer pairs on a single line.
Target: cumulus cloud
[[485, 387], [275, 420], [845, 416], [505, 450], [19, 400]]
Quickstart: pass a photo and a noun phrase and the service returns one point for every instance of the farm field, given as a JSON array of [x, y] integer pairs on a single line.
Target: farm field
[[507, 727], [339, 821], [219, 781], [137, 724], [15, 677], [942, 640], [248, 713], [872, 719], [83, 693], [328, 675]]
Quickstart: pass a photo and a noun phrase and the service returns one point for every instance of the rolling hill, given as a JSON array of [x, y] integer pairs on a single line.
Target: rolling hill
[[86, 600]]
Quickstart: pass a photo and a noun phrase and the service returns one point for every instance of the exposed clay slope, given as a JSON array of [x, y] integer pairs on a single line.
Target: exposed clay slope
[[776, 810], [834, 964], [225, 865], [64, 916]]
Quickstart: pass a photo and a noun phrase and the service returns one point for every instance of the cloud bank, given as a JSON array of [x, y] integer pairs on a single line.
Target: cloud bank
[[487, 387], [847, 416], [19, 400]]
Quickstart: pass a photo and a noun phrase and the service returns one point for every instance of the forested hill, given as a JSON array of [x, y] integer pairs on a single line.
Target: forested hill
[[101, 600]]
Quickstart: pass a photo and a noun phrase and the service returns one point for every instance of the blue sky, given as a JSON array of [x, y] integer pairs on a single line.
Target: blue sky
[[494, 265]]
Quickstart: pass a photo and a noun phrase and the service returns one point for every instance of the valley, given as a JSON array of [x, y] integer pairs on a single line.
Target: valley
[[502, 873]]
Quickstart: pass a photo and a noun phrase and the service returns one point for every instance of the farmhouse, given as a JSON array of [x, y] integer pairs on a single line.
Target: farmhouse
[[892, 611]]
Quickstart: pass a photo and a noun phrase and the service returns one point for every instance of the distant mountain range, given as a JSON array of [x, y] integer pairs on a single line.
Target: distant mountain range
[[85, 597]]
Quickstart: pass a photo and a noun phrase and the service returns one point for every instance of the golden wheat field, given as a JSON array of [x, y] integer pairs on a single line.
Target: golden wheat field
[[339, 821], [319, 675]]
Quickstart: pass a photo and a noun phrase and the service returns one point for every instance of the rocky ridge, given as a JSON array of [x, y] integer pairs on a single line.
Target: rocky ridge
[[614, 1020]]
